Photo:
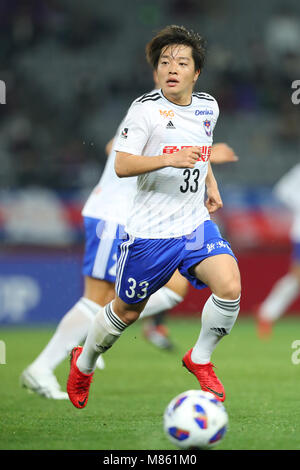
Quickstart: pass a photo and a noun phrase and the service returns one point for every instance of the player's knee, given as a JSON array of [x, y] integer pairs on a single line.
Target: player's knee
[[180, 289], [231, 289], [125, 313], [183, 288], [129, 317]]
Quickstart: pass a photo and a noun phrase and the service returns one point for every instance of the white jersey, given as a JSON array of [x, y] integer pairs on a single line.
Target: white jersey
[[287, 190], [169, 202], [112, 196]]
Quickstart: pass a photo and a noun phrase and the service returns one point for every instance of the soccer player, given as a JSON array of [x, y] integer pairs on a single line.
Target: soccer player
[[104, 214], [166, 142], [287, 288]]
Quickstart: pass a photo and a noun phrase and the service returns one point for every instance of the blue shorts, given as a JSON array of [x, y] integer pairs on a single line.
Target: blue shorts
[[296, 252], [101, 244], [145, 265]]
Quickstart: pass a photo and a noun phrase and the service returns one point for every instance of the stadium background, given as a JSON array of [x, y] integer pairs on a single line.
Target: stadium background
[[70, 73]]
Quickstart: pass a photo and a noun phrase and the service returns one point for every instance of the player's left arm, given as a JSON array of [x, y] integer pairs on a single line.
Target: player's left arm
[[222, 153], [214, 200]]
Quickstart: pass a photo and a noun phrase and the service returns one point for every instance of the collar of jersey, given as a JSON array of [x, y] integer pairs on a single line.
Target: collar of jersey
[[174, 104]]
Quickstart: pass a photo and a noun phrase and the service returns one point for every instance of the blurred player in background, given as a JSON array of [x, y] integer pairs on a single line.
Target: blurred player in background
[[285, 290], [168, 208], [105, 214]]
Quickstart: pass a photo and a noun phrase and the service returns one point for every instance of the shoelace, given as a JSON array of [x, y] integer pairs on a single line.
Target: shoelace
[[207, 373], [81, 384]]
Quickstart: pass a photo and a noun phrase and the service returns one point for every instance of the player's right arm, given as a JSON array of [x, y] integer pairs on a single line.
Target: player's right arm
[[137, 128], [127, 164]]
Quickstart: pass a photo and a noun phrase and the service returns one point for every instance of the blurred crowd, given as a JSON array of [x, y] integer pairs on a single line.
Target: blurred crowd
[[72, 69]]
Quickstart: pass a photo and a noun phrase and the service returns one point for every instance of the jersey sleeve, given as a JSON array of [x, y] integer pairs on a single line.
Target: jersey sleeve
[[135, 131]]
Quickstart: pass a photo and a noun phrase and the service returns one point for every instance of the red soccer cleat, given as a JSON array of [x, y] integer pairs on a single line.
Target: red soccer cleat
[[78, 384], [207, 379], [158, 335], [264, 327]]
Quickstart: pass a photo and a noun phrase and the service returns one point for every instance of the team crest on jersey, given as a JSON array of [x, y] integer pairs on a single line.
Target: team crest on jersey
[[124, 133], [207, 127]]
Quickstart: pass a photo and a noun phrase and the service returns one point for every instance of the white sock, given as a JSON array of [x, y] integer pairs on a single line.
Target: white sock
[[163, 299], [218, 318], [71, 331], [283, 293], [105, 329]]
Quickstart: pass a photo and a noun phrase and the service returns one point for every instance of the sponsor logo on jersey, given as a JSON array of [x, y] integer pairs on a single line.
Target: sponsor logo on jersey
[[213, 246], [124, 133], [205, 150], [204, 112], [167, 114], [170, 125], [207, 127]]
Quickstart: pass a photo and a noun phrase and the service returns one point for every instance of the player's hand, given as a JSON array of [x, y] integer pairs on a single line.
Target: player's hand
[[222, 153], [214, 200], [185, 158]]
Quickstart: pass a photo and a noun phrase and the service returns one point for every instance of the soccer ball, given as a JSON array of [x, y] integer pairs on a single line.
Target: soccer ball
[[195, 420]]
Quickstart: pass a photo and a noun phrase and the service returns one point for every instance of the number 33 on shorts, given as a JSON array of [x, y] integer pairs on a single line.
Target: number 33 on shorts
[[139, 290]]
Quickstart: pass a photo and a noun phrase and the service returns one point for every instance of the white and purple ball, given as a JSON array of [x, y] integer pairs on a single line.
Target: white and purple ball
[[195, 420]]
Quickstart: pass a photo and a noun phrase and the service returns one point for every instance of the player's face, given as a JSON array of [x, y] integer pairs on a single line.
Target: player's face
[[176, 73]]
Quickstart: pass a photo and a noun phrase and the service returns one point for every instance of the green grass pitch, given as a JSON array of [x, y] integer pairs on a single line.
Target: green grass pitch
[[128, 398]]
